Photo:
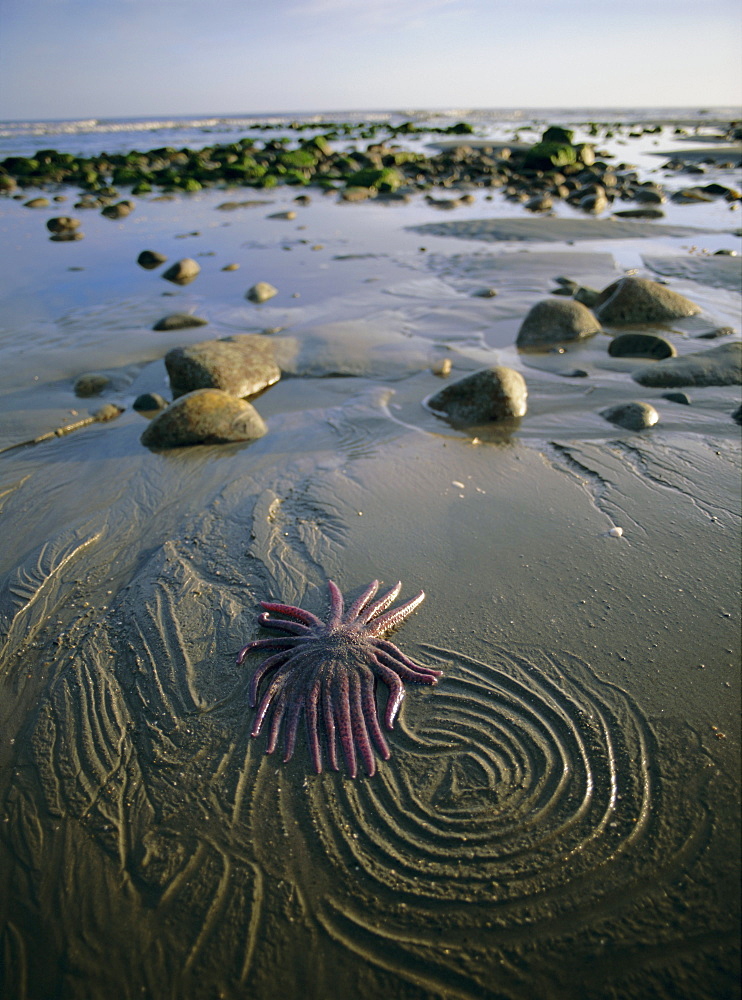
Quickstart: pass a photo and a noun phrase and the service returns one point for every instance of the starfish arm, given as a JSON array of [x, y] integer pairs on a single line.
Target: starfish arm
[[358, 723], [336, 605], [288, 609], [342, 714], [368, 701], [275, 688], [276, 719], [396, 691], [393, 618], [291, 728], [310, 718], [265, 644], [397, 654], [328, 714], [404, 672], [293, 627], [382, 604], [277, 660], [357, 607]]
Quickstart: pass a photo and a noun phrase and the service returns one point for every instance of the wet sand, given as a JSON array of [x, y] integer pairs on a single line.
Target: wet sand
[[559, 814]]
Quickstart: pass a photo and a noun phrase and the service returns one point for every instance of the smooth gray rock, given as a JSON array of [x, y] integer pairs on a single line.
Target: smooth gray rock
[[638, 300], [555, 321], [634, 416], [718, 366], [641, 345], [242, 365], [490, 394], [179, 321], [206, 416], [182, 272]]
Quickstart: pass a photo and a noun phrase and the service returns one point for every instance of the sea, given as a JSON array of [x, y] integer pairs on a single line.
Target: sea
[[92, 136]]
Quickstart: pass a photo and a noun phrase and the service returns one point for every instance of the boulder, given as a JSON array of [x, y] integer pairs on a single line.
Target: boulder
[[718, 366], [638, 300], [555, 321], [241, 365], [491, 394], [634, 416], [206, 416], [182, 272]]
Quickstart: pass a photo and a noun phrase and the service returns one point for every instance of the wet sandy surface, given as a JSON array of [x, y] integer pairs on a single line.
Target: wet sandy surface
[[558, 814]]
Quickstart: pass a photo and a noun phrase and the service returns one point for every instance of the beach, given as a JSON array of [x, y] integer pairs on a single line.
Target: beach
[[559, 813]]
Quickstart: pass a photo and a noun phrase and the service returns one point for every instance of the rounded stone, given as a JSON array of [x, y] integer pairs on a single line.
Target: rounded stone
[[242, 365], [150, 259], [555, 321], [634, 416], [488, 395], [62, 224], [718, 366], [91, 384], [118, 211], [641, 345], [179, 321], [149, 402], [206, 416], [677, 397], [261, 292], [639, 300], [37, 203], [182, 272]]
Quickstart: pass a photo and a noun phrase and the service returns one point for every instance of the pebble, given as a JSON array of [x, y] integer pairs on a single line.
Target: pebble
[[442, 368], [641, 345], [37, 203], [150, 259], [231, 267], [206, 416], [282, 215], [485, 293], [183, 271], [488, 395], [62, 223], [554, 321], [677, 397], [91, 384], [149, 402], [118, 211], [179, 321], [634, 416], [261, 292]]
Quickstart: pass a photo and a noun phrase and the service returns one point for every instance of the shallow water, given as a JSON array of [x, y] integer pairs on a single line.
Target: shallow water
[[558, 814]]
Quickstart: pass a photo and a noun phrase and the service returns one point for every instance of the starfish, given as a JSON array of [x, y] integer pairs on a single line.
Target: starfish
[[328, 670]]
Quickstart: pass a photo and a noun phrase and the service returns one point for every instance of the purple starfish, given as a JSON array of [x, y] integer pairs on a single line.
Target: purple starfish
[[329, 671]]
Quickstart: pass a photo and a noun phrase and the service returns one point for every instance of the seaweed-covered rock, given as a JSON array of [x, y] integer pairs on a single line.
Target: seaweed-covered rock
[[555, 321], [634, 416], [491, 394], [718, 366], [639, 300], [179, 321], [206, 416], [242, 365]]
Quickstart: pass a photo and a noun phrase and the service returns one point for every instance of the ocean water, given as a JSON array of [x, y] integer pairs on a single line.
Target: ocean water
[[90, 136]]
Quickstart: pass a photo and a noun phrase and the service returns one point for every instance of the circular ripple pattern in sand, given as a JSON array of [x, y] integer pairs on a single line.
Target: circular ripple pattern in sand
[[527, 786]]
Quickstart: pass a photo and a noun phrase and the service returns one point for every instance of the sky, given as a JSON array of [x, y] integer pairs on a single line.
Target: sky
[[119, 58]]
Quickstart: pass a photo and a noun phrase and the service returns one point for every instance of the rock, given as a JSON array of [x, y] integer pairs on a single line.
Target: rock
[[91, 384], [594, 203], [37, 203], [649, 196], [638, 300], [206, 416], [149, 402], [485, 293], [118, 211], [150, 259], [640, 213], [490, 394], [719, 331], [242, 365], [539, 203], [718, 366], [179, 321], [641, 345], [62, 224], [554, 321], [282, 215], [231, 267], [442, 367], [66, 236], [182, 272], [586, 295], [261, 292], [633, 416], [677, 397], [737, 415]]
